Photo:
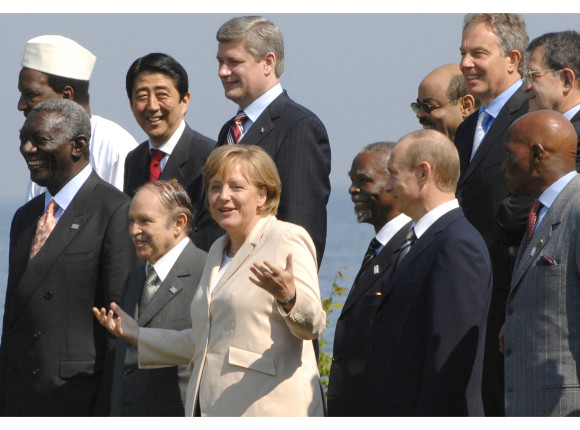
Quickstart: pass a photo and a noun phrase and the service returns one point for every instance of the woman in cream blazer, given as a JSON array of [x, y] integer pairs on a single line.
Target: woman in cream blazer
[[257, 307]]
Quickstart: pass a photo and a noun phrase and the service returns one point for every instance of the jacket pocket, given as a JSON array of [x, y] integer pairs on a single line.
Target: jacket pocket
[[77, 369], [251, 360]]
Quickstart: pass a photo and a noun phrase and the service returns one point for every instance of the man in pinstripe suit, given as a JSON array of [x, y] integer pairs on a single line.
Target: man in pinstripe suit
[[542, 323]]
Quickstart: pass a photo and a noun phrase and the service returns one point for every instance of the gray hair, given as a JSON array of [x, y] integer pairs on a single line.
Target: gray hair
[[560, 50], [73, 118], [510, 30], [382, 148], [261, 35]]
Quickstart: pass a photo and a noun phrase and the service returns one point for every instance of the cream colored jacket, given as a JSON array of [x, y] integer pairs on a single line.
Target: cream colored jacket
[[247, 356]]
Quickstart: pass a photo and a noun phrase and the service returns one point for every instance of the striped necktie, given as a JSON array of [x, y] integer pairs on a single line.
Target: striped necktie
[[236, 131], [45, 225], [480, 130], [411, 238], [149, 288]]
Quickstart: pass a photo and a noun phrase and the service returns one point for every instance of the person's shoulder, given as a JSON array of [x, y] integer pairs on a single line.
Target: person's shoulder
[[30, 206], [197, 138], [106, 193]]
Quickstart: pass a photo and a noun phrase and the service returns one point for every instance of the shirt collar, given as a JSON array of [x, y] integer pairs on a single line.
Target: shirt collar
[[498, 103], [69, 191], [549, 195], [255, 109], [429, 218], [164, 265], [391, 228], [569, 114], [169, 146]]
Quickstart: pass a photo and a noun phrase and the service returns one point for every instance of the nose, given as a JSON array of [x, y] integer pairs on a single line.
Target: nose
[[27, 148], [466, 62], [134, 228], [23, 106], [224, 71], [389, 184], [152, 103], [353, 189], [421, 113], [527, 86]]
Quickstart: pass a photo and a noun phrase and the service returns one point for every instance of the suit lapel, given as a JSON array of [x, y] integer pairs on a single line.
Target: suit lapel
[[174, 167], [528, 256], [377, 268], [266, 121], [70, 224]]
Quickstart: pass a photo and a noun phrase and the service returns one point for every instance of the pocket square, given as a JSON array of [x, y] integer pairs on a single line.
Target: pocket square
[[546, 260]]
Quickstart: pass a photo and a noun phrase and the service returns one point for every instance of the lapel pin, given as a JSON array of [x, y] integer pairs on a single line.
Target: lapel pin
[[378, 293], [173, 290], [262, 130], [535, 247], [376, 269], [174, 180], [75, 226]]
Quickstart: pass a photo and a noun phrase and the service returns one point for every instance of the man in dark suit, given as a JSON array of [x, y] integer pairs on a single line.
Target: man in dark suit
[[158, 90], [251, 60], [373, 205], [542, 327], [492, 51], [160, 220], [429, 318], [62, 263], [552, 76]]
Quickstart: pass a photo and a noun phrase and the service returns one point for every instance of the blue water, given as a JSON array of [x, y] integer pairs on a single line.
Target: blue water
[[345, 245]]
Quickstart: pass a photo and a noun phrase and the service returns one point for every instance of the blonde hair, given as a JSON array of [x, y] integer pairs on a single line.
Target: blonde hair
[[256, 166]]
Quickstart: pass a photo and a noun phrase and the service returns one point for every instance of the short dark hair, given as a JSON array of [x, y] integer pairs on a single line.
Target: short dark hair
[[561, 50], [80, 88], [158, 63]]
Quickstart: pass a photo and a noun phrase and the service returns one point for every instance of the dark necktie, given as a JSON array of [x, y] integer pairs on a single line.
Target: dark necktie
[[371, 252], [411, 238], [236, 131], [149, 288], [532, 219], [155, 165]]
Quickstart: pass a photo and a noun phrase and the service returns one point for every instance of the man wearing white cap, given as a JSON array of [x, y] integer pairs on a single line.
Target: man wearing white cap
[[57, 67]]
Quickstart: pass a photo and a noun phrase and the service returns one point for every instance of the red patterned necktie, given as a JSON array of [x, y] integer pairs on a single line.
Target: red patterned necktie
[[155, 166], [532, 219], [237, 129], [44, 227]]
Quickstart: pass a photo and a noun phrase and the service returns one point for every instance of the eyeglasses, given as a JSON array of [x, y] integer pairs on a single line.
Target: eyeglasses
[[532, 75], [418, 105]]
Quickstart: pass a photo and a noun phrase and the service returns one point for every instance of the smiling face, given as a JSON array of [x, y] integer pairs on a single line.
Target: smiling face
[[234, 203], [152, 228], [487, 71], [34, 89], [368, 176], [48, 154], [244, 79], [157, 106], [545, 90]]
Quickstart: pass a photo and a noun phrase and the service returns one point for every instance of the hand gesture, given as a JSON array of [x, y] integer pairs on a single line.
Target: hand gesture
[[118, 322], [278, 282]]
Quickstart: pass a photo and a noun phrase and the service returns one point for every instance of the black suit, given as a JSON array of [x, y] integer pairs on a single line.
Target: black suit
[[297, 141], [184, 165], [53, 348], [483, 194], [576, 123], [156, 392], [427, 338], [348, 381]]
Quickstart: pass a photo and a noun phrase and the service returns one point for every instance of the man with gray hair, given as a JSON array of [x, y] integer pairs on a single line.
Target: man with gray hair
[[251, 61], [552, 77], [373, 205], [493, 48], [54, 66], [69, 251], [443, 101]]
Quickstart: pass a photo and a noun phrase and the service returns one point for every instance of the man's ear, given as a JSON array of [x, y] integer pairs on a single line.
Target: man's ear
[[514, 59], [467, 103], [269, 63], [537, 152], [68, 93], [568, 78], [80, 145]]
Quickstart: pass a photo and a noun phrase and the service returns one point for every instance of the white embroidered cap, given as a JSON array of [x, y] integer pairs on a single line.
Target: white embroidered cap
[[59, 56]]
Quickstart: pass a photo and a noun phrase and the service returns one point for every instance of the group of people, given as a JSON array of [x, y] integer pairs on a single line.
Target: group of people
[[199, 259]]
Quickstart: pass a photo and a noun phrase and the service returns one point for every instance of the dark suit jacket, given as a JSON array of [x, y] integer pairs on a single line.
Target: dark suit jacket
[[348, 380], [156, 392], [576, 123], [184, 165], [427, 339], [500, 218], [297, 141], [53, 348]]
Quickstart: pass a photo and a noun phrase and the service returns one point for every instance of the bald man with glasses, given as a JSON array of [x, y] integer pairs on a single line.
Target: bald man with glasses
[[443, 101]]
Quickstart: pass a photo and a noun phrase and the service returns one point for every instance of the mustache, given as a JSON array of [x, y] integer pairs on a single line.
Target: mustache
[[425, 121], [141, 238]]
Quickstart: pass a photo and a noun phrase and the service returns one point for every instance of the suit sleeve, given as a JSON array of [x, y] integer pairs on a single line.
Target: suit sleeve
[[303, 162], [307, 319], [458, 295]]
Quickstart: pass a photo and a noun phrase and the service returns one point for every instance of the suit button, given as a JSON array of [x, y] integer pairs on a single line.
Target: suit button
[[37, 334], [508, 352], [335, 358], [510, 311], [127, 372], [196, 228], [48, 295], [36, 372]]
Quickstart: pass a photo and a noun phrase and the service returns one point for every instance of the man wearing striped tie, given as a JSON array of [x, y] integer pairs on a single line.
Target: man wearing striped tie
[[251, 60], [158, 90]]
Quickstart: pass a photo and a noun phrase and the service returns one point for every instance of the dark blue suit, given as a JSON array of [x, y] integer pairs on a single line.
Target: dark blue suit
[[428, 334], [298, 143]]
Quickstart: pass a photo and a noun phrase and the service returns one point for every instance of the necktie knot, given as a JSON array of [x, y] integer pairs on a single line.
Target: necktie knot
[[236, 131], [45, 225], [532, 220], [480, 131], [150, 287], [155, 165], [406, 247]]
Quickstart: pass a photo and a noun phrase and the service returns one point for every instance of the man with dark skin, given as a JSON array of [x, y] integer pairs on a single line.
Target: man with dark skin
[[541, 335], [372, 205]]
